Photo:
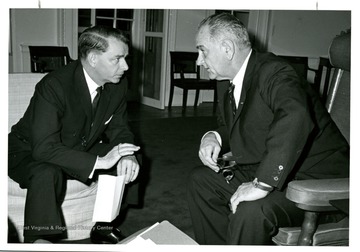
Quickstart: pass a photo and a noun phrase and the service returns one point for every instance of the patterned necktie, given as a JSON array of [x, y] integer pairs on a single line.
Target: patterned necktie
[[232, 99], [96, 101]]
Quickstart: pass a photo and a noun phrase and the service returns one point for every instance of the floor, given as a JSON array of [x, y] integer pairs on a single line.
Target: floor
[[138, 112]]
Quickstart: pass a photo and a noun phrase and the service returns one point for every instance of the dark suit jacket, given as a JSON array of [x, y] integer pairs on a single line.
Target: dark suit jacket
[[56, 127], [281, 126]]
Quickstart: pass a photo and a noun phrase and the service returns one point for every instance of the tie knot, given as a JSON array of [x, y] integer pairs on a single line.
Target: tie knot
[[99, 89], [231, 88]]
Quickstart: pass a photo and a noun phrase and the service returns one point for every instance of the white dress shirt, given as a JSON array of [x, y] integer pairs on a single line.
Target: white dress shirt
[[91, 85], [92, 90], [238, 82]]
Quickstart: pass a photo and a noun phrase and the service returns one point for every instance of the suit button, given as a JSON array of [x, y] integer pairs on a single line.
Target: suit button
[[276, 178], [281, 167]]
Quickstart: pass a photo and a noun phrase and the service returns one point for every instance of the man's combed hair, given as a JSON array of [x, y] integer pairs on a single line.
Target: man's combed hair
[[96, 38], [226, 26]]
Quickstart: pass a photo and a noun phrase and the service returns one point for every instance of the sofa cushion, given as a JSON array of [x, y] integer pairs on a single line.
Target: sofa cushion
[[21, 89]]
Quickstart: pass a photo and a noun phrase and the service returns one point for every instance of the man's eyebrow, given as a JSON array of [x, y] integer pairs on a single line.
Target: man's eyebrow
[[121, 55], [200, 47]]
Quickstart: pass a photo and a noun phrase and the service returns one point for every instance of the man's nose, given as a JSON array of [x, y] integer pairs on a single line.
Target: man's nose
[[199, 60], [124, 65]]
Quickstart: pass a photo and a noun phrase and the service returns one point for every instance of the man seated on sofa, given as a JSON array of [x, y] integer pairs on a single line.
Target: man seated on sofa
[[65, 135]]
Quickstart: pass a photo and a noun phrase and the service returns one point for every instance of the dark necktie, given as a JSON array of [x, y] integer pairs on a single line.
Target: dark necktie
[[232, 99], [96, 101]]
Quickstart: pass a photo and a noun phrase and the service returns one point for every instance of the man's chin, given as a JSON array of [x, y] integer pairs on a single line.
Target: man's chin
[[117, 79]]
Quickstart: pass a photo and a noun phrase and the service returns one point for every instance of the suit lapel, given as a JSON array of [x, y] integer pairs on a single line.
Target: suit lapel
[[82, 91], [245, 87]]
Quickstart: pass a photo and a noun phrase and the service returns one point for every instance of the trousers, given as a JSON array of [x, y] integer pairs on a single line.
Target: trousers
[[46, 188], [254, 222]]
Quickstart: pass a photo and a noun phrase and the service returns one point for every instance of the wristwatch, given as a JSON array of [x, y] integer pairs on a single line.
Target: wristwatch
[[257, 184]]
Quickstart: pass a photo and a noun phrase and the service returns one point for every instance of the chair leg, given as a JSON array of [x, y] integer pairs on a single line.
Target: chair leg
[[185, 94], [196, 98], [308, 229], [171, 96]]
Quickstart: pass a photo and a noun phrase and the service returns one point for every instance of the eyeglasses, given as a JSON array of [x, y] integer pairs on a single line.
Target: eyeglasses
[[226, 168]]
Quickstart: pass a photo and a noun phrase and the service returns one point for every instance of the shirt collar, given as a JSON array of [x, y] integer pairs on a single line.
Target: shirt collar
[[90, 82], [239, 77]]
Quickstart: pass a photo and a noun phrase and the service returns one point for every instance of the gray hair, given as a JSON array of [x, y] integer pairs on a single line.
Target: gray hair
[[226, 26], [96, 38]]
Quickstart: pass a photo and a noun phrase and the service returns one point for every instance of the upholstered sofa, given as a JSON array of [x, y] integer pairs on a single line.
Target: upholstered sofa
[[79, 199]]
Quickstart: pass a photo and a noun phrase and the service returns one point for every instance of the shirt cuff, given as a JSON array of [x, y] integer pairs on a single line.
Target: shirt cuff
[[217, 135], [93, 170]]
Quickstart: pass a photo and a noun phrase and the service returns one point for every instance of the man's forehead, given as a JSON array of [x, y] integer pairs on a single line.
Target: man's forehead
[[202, 37], [117, 44]]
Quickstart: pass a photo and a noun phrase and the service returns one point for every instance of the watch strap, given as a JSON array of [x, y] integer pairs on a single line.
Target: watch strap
[[257, 184]]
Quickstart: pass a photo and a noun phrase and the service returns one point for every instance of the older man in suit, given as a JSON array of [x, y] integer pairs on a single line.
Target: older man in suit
[[277, 130], [74, 127]]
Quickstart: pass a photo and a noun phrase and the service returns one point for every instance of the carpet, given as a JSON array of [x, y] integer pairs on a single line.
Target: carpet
[[170, 152]]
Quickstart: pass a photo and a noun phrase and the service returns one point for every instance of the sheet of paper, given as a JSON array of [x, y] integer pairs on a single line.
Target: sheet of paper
[[139, 241], [108, 198]]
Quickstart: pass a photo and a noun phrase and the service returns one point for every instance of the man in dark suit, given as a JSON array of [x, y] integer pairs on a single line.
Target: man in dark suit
[[62, 137], [277, 131]]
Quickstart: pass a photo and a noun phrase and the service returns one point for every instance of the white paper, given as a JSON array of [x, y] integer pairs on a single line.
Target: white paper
[[108, 198], [139, 241]]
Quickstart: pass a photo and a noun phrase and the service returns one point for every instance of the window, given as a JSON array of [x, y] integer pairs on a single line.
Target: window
[[118, 18], [242, 15], [121, 19]]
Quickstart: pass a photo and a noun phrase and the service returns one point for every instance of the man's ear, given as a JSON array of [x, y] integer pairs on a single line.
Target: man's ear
[[228, 47], [92, 58]]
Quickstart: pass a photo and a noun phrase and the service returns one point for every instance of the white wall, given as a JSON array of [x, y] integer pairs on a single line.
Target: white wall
[[305, 33], [186, 27], [187, 22], [37, 27]]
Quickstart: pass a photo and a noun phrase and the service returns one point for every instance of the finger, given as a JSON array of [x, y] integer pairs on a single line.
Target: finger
[[131, 170], [122, 149], [206, 158], [136, 173], [234, 201], [127, 145], [128, 175], [120, 169]]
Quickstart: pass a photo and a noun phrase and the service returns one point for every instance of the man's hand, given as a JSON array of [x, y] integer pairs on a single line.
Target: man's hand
[[246, 192], [129, 167], [209, 151], [113, 156]]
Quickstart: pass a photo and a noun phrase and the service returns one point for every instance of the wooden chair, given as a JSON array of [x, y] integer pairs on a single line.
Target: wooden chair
[[185, 74], [48, 58], [319, 196], [301, 66], [324, 64]]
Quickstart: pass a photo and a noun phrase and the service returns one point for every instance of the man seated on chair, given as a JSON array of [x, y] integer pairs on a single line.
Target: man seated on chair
[[62, 137], [277, 131]]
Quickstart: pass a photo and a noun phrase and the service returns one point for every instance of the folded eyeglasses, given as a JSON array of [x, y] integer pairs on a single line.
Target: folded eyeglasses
[[226, 167]]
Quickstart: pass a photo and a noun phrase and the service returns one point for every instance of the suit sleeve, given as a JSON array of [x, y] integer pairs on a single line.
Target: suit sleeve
[[290, 128]]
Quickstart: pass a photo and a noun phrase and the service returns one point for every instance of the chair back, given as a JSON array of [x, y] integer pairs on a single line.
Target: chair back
[[48, 58], [183, 63], [338, 99]]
